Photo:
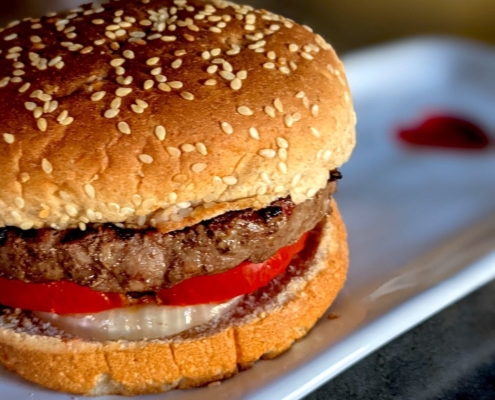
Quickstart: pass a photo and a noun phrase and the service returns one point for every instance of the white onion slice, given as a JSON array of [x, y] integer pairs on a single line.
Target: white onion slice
[[137, 322]]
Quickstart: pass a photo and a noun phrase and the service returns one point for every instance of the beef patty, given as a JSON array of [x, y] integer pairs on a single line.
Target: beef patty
[[111, 259]]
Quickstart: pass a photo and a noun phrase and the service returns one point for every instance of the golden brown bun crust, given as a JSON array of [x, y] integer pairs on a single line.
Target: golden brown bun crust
[[83, 168], [130, 368]]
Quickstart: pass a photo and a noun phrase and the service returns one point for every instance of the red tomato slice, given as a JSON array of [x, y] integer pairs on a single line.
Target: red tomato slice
[[70, 298]]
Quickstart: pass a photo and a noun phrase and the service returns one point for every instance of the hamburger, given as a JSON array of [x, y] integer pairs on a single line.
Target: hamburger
[[167, 171]]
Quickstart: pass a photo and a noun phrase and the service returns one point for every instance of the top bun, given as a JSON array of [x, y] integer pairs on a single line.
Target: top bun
[[164, 113]]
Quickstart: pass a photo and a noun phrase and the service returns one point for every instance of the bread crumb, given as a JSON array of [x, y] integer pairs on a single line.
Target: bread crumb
[[333, 316], [217, 383]]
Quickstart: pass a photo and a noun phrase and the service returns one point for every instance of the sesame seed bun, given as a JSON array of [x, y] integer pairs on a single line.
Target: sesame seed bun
[[135, 115], [264, 325]]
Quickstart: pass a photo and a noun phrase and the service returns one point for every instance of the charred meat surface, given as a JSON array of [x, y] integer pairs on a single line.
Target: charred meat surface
[[111, 259]]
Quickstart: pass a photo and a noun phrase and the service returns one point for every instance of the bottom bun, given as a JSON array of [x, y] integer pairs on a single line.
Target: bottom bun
[[265, 324]]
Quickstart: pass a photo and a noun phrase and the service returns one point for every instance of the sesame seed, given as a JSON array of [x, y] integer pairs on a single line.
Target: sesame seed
[[215, 29], [267, 153], [142, 103], [198, 167], [89, 190], [98, 21], [38, 112], [187, 95], [153, 61], [288, 121], [9, 138], [17, 79], [122, 92], [282, 143], [164, 87], [174, 152], [212, 69], [306, 56], [242, 74], [176, 84], [315, 132], [284, 70], [300, 95], [227, 75], [24, 87], [270, 111], [253, 132], [120, 32], [160, 132], [156, 71], [278, 105], [148, 84], [271, 55], [67, 121], [86, 50], [227, 66], [296, 117], [42, 124], [282, 167], [161, 78], [137, 109], [116, 103], [229, 180], [10, 37], [129, 54], [282, 154], [44, 97], [227, 128], [180, 53], [243, 110], [46, 166], [293, 47], [19, 202], [63, 115], [305, 101], [216, 52], [97, 96], [169, 38], [99, 42], [188, 37], [201, 148], [172, 197], [327, 155], [36, 26], [210, 82], [71, 210], [269, 65], [111, 113], [117, 62], [124, 127], [176, 63], [236, 84], [188, 148], [205, 55], [295, 180], [315, 110], [30, 106], [145, 158]]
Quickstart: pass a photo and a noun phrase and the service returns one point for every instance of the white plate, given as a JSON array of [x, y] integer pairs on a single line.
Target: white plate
[[399, 204]]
